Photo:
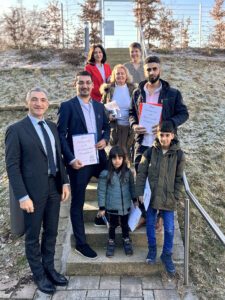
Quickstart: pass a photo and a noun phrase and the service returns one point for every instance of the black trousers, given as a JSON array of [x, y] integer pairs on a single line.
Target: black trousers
[[114, 222], [79, 180], [138, 151], [46, 213]]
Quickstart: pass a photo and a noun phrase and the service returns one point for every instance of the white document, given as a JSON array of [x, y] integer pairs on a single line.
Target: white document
[[84, 148], [134, 217], [150, 116], [147, 195], [112, 106]]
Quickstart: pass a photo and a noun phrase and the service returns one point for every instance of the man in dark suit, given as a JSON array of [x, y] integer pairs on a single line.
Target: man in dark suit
[[82, 115], [39, 182]]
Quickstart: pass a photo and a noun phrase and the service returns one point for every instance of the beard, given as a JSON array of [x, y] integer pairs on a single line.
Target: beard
[[153, 79]]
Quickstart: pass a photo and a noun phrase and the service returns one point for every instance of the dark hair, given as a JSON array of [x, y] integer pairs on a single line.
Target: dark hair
[[135, 45], [152, 59], [91, 59], [167, 126], [82, 73], [114, 152]]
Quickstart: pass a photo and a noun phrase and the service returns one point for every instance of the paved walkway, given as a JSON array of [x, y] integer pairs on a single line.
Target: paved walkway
[[154, 287], [105, 287]]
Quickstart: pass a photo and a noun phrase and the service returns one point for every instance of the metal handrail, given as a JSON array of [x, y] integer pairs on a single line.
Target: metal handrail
[[208, 219]]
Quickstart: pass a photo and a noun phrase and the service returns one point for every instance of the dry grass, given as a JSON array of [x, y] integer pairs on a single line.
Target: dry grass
[[202, 137]]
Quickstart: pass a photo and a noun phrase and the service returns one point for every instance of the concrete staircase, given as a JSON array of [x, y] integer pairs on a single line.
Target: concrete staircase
[[117, 56], [120, 264]]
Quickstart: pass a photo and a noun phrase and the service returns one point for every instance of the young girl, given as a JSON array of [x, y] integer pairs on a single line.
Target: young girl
[[115, 192]]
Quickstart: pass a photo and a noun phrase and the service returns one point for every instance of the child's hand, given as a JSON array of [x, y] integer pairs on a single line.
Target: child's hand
[[141, 199], [101, 213]]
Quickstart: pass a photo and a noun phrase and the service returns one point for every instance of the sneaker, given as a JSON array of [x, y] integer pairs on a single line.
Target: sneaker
[[99, 221], [168, 263], [127, 245], [110, 248], [151, 257], [86, 251]]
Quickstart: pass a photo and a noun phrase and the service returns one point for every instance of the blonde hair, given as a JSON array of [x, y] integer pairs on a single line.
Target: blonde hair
[[128, 75]]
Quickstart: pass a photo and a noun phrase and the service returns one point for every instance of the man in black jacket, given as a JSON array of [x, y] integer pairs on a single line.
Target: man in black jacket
[[39, 182], [154, 90]]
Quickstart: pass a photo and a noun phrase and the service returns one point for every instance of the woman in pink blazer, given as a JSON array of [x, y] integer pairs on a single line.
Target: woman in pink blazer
[[99, 70]]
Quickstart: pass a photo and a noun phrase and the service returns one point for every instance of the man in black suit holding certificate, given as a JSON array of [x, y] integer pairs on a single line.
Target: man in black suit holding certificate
[[77, 116], [39, 182]]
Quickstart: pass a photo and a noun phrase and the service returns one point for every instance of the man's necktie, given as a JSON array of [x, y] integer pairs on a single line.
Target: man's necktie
[[48, 145]]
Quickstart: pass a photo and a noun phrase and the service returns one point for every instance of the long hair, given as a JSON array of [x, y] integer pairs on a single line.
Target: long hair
[[114, 152], [91, 59]]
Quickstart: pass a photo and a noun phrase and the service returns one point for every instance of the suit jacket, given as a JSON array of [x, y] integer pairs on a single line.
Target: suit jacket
[[71, 121], [27, 163], [97, 79]]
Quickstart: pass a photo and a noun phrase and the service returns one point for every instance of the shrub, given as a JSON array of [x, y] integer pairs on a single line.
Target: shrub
[[74, 57]]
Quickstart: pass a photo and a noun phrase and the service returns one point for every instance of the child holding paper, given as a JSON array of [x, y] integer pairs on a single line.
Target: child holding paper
[[163, 165], [115, 192]]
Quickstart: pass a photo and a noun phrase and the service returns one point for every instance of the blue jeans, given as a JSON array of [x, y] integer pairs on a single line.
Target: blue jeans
[[168, 221]]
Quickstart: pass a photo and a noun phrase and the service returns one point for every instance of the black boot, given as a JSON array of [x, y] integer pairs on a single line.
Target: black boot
[[110, 248]]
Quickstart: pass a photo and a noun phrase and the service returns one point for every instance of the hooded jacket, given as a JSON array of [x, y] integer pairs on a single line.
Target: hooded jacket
[[173, 107], [164, 172]]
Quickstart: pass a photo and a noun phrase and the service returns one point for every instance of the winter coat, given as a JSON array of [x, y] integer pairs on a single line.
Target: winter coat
[[173, 107], [97, 79], [164, 172], [116, 196], [107, 91]]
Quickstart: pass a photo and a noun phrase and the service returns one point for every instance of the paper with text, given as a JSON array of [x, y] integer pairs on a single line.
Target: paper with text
[[84, 148]]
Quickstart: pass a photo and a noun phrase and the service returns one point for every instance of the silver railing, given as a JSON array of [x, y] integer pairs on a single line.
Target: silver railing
[[208, 219], [142, 42]]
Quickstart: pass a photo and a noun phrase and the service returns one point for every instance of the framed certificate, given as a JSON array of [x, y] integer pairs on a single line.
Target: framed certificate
[[85, 149]]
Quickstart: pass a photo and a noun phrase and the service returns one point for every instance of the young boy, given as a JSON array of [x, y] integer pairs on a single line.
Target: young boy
[[163, 165]]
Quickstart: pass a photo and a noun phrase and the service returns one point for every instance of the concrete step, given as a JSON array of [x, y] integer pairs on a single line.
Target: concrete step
[[91, 192], [98, 236], [120, 264], [117, 56]]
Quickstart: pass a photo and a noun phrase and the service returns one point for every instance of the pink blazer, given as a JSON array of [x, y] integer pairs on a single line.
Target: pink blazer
[[97, 79]]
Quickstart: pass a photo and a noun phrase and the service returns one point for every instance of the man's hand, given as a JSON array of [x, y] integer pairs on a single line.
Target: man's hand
[[139, 129], [77, 164], [155, 129], [65, 192], [101, 213], [141, 199], [101, 144], [27, 205]]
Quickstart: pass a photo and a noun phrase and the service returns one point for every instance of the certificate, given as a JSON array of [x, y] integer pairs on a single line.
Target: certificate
[[150, 115], [84, 148], [134, 217], [147, 195], [112, 105]]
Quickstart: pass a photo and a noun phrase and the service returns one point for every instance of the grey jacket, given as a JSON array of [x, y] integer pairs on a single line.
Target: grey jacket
[[116, 197]]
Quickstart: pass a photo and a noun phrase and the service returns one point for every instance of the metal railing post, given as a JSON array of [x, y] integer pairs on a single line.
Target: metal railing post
[[186, 241]]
